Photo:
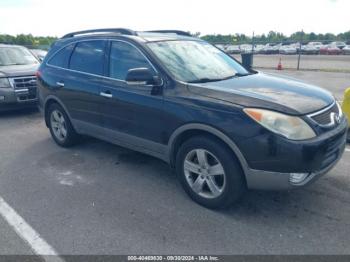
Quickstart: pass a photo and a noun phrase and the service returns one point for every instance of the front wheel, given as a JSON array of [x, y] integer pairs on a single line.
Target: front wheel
[[209, 172]]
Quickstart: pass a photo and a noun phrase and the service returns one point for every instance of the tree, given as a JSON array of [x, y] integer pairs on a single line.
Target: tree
[[312, 36], [28, 40], [24, 39]]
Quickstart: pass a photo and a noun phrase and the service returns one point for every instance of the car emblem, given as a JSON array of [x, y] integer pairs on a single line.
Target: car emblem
[[32, 81], [335, 118]]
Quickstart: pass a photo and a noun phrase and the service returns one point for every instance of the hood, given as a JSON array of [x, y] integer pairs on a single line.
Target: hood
[[18, 70], [261, 90]]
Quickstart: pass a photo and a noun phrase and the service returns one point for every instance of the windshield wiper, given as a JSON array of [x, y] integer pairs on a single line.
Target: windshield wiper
[[206, 80], [241, 74], [15, 64]]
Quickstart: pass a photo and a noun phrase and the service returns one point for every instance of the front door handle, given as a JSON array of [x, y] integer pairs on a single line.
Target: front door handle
[[106, 94], [60, 84]]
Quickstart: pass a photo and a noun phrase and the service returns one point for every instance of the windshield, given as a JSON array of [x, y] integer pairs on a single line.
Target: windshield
[[16, 56], [196, 61]]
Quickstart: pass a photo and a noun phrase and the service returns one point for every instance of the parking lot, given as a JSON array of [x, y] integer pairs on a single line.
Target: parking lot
[[330, 63], [98, 198]]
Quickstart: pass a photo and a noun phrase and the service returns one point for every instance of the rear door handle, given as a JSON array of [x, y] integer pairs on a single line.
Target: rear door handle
[[106, 94], [60, 84]]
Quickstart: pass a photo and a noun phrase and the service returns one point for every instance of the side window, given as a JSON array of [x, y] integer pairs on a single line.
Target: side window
[[124, 57], [88, 56], [61, 58]]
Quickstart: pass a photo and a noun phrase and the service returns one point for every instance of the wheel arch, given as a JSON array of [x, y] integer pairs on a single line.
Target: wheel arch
[[52, 100], [189, 130]]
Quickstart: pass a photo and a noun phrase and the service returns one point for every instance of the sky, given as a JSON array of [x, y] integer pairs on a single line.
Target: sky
[[58, 17]]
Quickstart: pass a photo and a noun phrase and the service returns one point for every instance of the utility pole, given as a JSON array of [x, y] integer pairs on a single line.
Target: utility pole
[[300, 43]]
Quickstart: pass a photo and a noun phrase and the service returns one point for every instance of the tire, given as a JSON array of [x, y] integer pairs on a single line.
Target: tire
[[61, 128], [199, 181]]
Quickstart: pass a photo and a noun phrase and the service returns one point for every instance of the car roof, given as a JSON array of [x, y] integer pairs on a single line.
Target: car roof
[[155, 37]]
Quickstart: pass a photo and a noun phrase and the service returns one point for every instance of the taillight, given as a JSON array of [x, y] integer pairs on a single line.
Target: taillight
[[38, 74]]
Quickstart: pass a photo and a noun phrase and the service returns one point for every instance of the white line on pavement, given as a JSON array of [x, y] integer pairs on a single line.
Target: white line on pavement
[[347, 149], [27, 233]]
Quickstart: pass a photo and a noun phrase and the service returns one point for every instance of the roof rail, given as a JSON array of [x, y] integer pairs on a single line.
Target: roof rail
[[178, 32], [123, 31]]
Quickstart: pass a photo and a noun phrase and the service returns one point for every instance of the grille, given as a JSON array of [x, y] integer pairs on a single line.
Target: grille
[[324, 118], [25, 87], [335, 146], [24, 82]]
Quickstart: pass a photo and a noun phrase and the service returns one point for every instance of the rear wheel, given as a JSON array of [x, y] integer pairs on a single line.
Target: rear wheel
[[60, 127], [209, 172]]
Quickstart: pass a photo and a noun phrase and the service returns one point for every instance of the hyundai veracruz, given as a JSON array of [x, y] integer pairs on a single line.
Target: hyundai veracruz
[[164, 93]]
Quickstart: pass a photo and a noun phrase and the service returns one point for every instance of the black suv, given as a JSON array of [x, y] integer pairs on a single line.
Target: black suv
[[182, 100], [17, 77]]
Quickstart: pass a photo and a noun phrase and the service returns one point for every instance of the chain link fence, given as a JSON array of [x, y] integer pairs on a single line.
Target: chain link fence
[[332, 56]]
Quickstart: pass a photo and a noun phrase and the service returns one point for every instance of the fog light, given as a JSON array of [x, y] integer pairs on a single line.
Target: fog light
[[296, 178]]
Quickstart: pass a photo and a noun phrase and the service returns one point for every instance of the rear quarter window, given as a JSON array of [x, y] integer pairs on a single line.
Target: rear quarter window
[[61, 58], [88, 57]]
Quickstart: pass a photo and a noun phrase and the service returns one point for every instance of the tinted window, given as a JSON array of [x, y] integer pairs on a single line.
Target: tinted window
[[124, 57], [61, 58], [88, 57]]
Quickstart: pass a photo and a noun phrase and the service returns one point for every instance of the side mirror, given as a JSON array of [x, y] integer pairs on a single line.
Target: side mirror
[[142, 76]]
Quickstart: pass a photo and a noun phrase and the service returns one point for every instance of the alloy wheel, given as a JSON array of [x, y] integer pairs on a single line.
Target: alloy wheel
[[204, 173], [58, 125]]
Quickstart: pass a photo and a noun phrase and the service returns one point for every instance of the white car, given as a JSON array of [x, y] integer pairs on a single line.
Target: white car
[[246, 48], [288, 50], [276, 48], [258, 48], [338, 44], [233, 49], [317, 45], [267, 49], [346, 50], [310, 49]]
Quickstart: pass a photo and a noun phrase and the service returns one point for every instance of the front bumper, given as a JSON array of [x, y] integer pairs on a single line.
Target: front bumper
[[323, 153], [11, 100]]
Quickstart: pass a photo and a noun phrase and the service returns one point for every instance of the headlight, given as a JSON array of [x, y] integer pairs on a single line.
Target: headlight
[[291, 127], [4, 83]]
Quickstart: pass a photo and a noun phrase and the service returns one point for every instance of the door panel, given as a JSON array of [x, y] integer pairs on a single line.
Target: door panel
[[81, 95], [134, 112], [131, 110], [82, 87]]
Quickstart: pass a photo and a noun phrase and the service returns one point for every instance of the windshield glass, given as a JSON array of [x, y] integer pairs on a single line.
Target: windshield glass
[[16, 56], [196, 61]]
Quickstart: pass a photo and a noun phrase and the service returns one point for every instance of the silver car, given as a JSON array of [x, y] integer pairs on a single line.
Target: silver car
[[288, 50], [17, 77], [338, 44], [346, 50]]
